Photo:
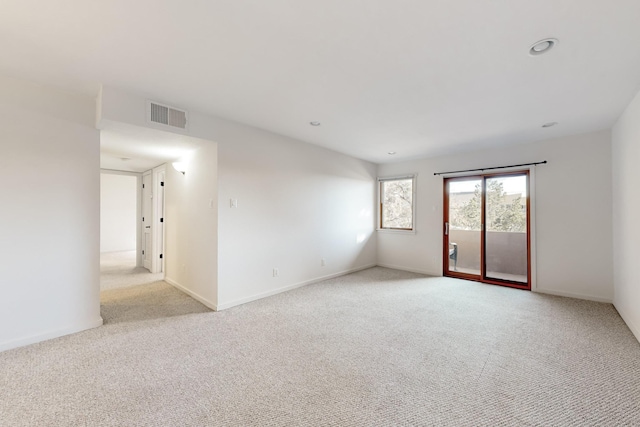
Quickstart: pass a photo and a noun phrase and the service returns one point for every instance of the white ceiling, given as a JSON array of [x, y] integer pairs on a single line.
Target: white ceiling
[[136, 149], [419, 77]]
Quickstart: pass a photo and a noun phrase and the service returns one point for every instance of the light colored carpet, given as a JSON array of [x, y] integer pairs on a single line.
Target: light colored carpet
[[118, 270], [374, 348], [155, 300]]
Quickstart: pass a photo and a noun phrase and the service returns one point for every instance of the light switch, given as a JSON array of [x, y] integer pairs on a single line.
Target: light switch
[[234, 203]]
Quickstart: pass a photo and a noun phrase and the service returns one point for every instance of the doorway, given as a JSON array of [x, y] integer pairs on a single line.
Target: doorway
[[487, 229], [121, 263]]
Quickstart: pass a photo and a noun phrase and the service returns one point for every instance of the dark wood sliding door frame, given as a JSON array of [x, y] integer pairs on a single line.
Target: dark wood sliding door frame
[[482, 277]]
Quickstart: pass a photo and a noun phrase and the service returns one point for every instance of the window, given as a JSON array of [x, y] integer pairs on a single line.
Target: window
[[396, 203]]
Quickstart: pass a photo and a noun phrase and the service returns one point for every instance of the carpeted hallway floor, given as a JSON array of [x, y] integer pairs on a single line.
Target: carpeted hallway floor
[[375, 348], [118, 270]]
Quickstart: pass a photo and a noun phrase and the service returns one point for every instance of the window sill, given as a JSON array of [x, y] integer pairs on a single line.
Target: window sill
[[392, 231]]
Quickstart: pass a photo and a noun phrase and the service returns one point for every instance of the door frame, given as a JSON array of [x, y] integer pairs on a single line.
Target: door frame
[[531, 264], [157, 230], [146, 218]]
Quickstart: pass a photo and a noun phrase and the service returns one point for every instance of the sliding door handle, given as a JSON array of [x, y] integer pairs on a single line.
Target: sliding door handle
[[446, 228]]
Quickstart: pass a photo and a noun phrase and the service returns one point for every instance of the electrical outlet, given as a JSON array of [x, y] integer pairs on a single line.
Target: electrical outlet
[[322, 262], [276, 272]]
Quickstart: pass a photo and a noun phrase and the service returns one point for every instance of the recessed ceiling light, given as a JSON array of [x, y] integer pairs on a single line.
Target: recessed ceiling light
[[542, 46], [391, 153], [548, 125], [314, 123]]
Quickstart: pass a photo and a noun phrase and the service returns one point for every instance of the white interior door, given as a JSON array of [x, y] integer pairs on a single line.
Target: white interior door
[[147, 220]]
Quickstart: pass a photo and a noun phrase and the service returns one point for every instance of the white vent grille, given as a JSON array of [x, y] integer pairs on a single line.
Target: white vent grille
[[166, 115]]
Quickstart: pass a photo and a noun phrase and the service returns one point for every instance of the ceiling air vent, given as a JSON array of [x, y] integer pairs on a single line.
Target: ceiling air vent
[[165, 115]]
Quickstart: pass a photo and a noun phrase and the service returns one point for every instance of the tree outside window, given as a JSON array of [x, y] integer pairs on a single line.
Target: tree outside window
[[396, 204], [504, 212]]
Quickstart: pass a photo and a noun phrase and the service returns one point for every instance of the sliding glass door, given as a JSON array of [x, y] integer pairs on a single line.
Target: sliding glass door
[[463, 227], [486, 228], [506, 239]]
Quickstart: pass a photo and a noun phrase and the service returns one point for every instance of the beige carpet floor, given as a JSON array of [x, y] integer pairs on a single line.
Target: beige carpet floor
[[118, 270], [374, 348]]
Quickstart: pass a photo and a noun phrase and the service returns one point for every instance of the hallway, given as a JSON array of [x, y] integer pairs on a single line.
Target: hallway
[[132, 294], [118, 270]]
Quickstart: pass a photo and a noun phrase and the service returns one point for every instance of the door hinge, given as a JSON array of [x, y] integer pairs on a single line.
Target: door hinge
[[161, 183], [143, 252], [160, 256], [161, 219], [142, 185], [142, 219]]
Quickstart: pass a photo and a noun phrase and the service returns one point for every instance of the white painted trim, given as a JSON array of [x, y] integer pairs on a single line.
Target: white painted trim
[[414, 203], [410, 270], [139, 228], [158, 208], [573, 295], [99, 108], [50, 335], [119, 172], [192, 294], [542, 291], [397, 177], [255, 297], [142, 223], [635, 329], [392, 231]]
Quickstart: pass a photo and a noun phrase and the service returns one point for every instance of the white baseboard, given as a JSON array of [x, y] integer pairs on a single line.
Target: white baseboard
[[192, 294], [410, 269], [261, 295], [635, 330], [542, 291], [574, 295], [50, 335]]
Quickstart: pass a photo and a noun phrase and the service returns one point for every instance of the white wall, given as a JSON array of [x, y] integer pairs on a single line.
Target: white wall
[[626, 210], [49, 193], [573, 213], [118, 212], [191, 225], [297, 203]]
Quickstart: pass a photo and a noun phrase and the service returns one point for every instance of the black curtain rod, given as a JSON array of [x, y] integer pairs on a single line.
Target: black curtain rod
[[487, 169]]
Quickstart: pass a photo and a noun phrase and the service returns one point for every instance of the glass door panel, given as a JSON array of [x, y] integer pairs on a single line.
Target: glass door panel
[[463, 230], [506, 243]]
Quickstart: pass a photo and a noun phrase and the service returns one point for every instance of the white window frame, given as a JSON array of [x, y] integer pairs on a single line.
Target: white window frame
[[414, 179]]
